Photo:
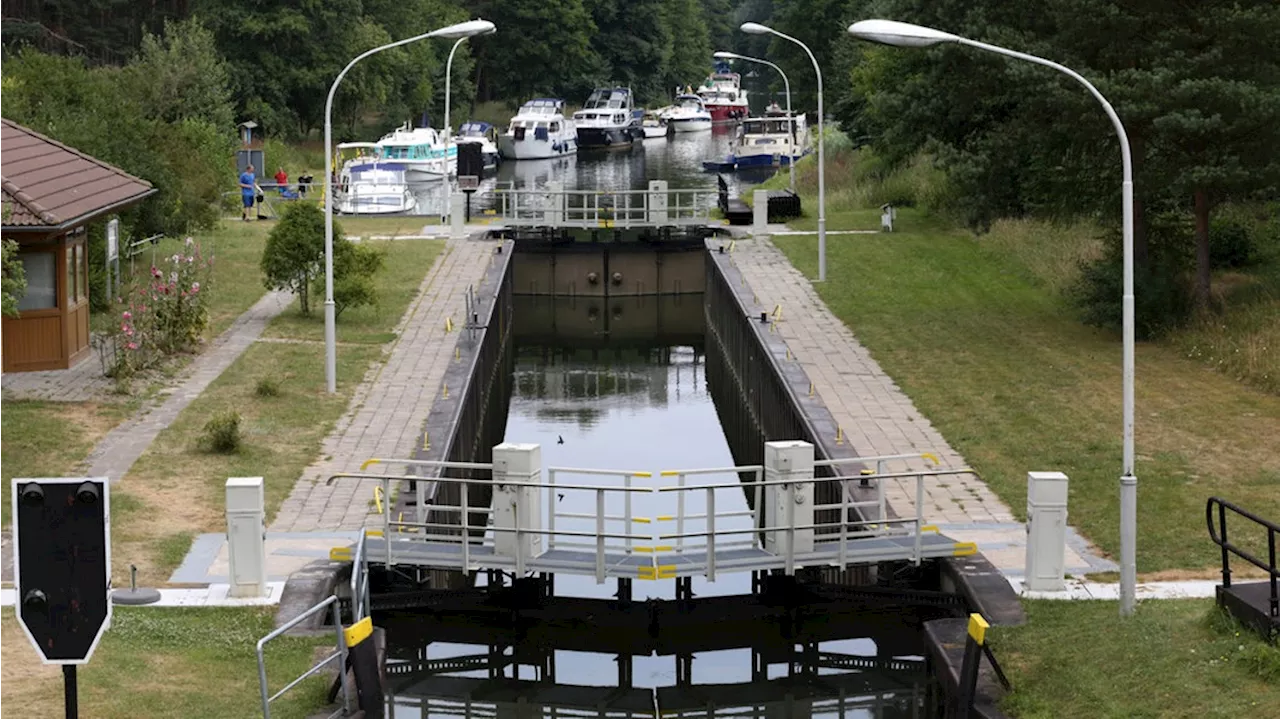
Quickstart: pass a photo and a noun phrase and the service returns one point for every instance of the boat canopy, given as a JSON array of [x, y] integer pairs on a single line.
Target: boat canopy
[[475, 128], [614, 98]]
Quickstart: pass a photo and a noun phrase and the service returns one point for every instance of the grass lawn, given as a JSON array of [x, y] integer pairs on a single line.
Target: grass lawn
[[1173, 658], [407, 263], [171, 662], [51, 439], [176, 489], [400, 225], [1015, 383]]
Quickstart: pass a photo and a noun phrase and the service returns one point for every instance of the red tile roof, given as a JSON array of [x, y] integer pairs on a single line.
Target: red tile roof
[[49, 185]]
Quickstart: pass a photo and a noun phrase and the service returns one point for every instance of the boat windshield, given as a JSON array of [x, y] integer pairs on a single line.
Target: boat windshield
[[690, 103], [765, 127], [601, 99]]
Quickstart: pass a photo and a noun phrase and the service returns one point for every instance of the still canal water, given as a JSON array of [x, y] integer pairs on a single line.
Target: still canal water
[[677, 159], [604, 397]]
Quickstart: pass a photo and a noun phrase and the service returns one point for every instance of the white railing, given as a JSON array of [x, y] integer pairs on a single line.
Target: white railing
[[339, 655], [603, 208]]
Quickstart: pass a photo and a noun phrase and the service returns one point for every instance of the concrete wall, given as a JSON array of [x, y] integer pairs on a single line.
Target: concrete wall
[[589, 271]]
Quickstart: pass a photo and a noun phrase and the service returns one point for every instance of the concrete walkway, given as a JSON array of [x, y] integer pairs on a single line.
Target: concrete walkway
[[115, 453], [877, 418], [388, 410]]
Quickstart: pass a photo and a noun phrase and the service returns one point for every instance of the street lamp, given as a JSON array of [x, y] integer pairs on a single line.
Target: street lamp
[[791, 163], [462, 29], [753, 28], [901, 34], [448, 135]]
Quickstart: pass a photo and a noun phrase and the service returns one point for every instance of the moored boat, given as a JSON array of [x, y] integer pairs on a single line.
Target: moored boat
[[420, 151], [723, 96], [539, 131], [688, 115], [654, 125], [484, 134], [608, 118], [367, 187]]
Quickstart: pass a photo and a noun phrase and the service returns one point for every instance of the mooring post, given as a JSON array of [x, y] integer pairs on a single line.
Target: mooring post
[[967, 689]]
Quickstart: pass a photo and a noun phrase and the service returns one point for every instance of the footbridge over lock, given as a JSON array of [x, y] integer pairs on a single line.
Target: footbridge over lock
[[659, 212], [670, 524]]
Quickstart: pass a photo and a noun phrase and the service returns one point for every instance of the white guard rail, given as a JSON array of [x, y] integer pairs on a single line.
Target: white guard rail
[[602, 208], [340, 655]]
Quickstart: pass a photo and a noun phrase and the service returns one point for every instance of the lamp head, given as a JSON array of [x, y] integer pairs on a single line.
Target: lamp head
[[470, 28], [899, 34], [722, 55], [754, 28]]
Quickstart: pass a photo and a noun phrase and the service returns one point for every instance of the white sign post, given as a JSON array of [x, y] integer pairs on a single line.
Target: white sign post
[[113, 256]]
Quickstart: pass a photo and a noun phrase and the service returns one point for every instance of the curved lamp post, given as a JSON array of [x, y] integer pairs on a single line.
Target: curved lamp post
[[735, 56], [448, 134], [460, 30], [754, 28], [900, 34]]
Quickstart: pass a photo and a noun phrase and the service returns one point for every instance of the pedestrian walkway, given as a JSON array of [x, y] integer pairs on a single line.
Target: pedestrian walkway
[[83, 383], [387, 412], [115, 453], [877, 418]]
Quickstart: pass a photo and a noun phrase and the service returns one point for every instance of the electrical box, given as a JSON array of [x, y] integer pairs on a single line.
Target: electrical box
[[1046, 531], [658, 202], [457, 215], [246, 537], [788, 505], [760, 213], [517, 506]]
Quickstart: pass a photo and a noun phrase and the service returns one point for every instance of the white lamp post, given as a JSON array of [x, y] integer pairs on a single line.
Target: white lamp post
[[752, 28], [448, 134], [787, 85], [464, 29], [901, 34]]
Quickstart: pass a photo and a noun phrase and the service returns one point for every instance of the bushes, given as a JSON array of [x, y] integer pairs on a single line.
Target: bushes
[[293, 260], [15, 279], [267, 388], [1163, 296], [222, 433]]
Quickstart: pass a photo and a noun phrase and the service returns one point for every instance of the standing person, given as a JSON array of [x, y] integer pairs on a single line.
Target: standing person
[[282, 180], [248, 186]]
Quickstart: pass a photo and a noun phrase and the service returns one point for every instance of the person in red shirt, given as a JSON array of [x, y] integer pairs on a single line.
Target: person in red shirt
[[282, 179]]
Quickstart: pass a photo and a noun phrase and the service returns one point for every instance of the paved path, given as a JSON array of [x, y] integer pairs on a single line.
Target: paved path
[[82, 383], [387, 412], [121, 447]]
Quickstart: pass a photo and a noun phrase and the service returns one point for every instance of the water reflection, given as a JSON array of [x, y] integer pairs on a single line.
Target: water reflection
[[677, 159], [627, 389]]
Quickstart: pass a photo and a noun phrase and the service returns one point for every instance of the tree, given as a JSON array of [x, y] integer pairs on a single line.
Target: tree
[[354, 269], [634, 39], [179, 76], [691, 48], [294, 254], [14, 279], [543, 47]]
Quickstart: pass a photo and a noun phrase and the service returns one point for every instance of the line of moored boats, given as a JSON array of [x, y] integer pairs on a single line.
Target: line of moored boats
[[375, 177]]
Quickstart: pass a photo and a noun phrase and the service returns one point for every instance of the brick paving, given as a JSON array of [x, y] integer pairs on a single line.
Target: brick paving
[[876, 417], [387, 412], [82, 383], [115, 453]]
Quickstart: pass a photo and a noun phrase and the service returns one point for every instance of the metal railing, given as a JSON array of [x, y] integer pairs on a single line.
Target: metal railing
[[1220, 538], [881, 526], [603, 208], [340, 655], [359, 581]]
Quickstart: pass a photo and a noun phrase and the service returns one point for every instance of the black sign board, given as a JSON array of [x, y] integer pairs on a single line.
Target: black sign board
[[62, 564]]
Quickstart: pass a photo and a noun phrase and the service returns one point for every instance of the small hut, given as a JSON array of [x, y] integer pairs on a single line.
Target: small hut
[[50, 193]]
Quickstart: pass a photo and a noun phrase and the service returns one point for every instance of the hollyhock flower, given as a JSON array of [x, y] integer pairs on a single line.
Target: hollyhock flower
[[132, 345], [127, 315]]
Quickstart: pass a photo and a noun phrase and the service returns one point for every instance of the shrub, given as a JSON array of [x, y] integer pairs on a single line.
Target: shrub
[[267, 387], [222, 432], [15, 280], [1232, 242], [354, 268], [294, 255], [1163, 296]]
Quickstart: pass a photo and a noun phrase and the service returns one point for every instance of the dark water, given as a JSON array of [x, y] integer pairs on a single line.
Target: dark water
[[594, 396], [677, 159]]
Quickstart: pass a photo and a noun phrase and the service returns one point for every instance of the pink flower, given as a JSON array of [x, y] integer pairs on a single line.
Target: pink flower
[[195, 287], [132, 345], [127, 315], [155, 271], [124, 326], [128, 332]]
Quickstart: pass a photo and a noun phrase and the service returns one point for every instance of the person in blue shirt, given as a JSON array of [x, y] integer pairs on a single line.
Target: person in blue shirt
[[248, 189]]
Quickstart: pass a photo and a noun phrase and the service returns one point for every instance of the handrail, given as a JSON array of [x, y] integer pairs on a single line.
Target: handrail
[[341, 655], [1228, 548], [817, 480], [359, 581], [490, 482]]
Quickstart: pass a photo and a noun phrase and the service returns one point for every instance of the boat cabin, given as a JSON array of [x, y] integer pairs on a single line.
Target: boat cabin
[[51, 192]]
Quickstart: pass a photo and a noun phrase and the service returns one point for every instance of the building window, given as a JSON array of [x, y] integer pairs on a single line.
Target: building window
[[71, 274], [84, 270], [41, 269]]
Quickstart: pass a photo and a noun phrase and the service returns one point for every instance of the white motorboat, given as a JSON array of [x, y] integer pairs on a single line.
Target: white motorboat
[[723, 96], [773, 140], [367, 187], [688, 115], [484, 134], [420, 152], [609, 118], [538, 131], [654, 126]]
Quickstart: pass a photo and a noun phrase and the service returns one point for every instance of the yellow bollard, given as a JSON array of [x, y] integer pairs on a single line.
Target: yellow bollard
[[839, 435], [446, 391], [426, 441]]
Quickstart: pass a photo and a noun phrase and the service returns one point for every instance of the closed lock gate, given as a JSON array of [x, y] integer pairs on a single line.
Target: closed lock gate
[[644, 525]]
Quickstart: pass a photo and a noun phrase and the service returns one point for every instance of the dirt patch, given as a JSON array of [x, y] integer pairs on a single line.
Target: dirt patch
[[26, 681]]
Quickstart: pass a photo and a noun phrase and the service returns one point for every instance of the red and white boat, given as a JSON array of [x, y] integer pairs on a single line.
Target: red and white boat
[[723, 96]]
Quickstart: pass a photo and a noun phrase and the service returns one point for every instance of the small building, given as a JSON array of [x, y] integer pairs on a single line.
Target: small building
[[50, 193]]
